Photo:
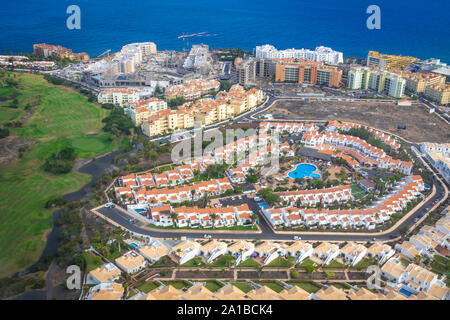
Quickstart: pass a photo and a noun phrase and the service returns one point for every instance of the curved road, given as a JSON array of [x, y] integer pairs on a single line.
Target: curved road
[[267, 233]]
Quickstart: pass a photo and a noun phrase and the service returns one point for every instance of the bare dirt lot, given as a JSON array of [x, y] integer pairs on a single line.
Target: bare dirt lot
[[420, 124], [9, 148]]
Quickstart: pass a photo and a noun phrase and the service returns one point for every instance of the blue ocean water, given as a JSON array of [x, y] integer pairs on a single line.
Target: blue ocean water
[[408, 27]]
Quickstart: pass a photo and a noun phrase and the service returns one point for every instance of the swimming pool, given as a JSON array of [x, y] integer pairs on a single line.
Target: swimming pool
[[426, 186], [263, 205], [134, 245], [405, 292], [304, 170], [139, 210]]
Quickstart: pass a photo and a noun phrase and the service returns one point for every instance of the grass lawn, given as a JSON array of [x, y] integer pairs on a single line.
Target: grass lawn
[[224, 261], [249, 263], [342, 286], [282, 262], [242, 286], [308, 286], [406, 262], [272, 285], [148, 286], [305, 263], [196, 262], [125, 143], [131, 293], [334, 265], [213, 285], [440, 265], [63, 117], [179, 284], [365, 263], [357, 191], [8, 114], [92, 261]]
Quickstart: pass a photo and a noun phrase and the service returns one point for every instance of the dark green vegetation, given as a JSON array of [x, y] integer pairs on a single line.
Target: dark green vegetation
[[118, 123], [60, 162], [269, 196], [367, 136], [174, 103], [227, 54]]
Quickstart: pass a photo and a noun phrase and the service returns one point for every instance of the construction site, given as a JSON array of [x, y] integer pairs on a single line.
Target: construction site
[[141, 65], [415, 122]]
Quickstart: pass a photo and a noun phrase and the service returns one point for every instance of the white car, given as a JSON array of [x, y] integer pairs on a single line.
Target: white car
[[297, 238], [207, 236]]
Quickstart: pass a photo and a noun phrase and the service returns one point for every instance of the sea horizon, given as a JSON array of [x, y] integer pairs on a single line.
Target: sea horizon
[[233, 24]]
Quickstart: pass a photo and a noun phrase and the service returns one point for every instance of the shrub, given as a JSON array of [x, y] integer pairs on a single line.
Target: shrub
[[4, 133], [60, 162]]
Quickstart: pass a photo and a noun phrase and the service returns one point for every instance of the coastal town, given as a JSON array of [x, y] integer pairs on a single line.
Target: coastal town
[[294, 206]]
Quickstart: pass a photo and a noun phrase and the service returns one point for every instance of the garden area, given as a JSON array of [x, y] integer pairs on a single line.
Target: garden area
[[224, 261], [281, 262], [243, 286], [275, 286], [178, 284], [195, 262], [249, 263], [309, 286]]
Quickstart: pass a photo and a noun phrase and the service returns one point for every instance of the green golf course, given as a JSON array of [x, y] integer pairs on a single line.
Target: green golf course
[[62, 118]]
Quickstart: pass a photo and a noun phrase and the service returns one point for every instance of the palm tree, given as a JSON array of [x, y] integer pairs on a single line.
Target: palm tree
[[174, 217], [254, 218], [279, 259], [213, 218]]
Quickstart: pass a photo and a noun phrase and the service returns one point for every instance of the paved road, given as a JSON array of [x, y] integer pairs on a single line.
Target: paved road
[[267, 233]]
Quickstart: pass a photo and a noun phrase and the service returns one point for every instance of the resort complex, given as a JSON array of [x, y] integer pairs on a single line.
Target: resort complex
[[213, 173]]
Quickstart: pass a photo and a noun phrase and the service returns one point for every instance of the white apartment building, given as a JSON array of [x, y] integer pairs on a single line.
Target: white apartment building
[[377, 80], [322, 54], [439, 156], [118, 97], [131, 262]]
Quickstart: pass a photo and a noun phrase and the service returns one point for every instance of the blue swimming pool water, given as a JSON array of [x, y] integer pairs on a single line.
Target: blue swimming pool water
[[134, 245], [426, 186], [263, 205], [139, 210], [405, 292], [304, 170]]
